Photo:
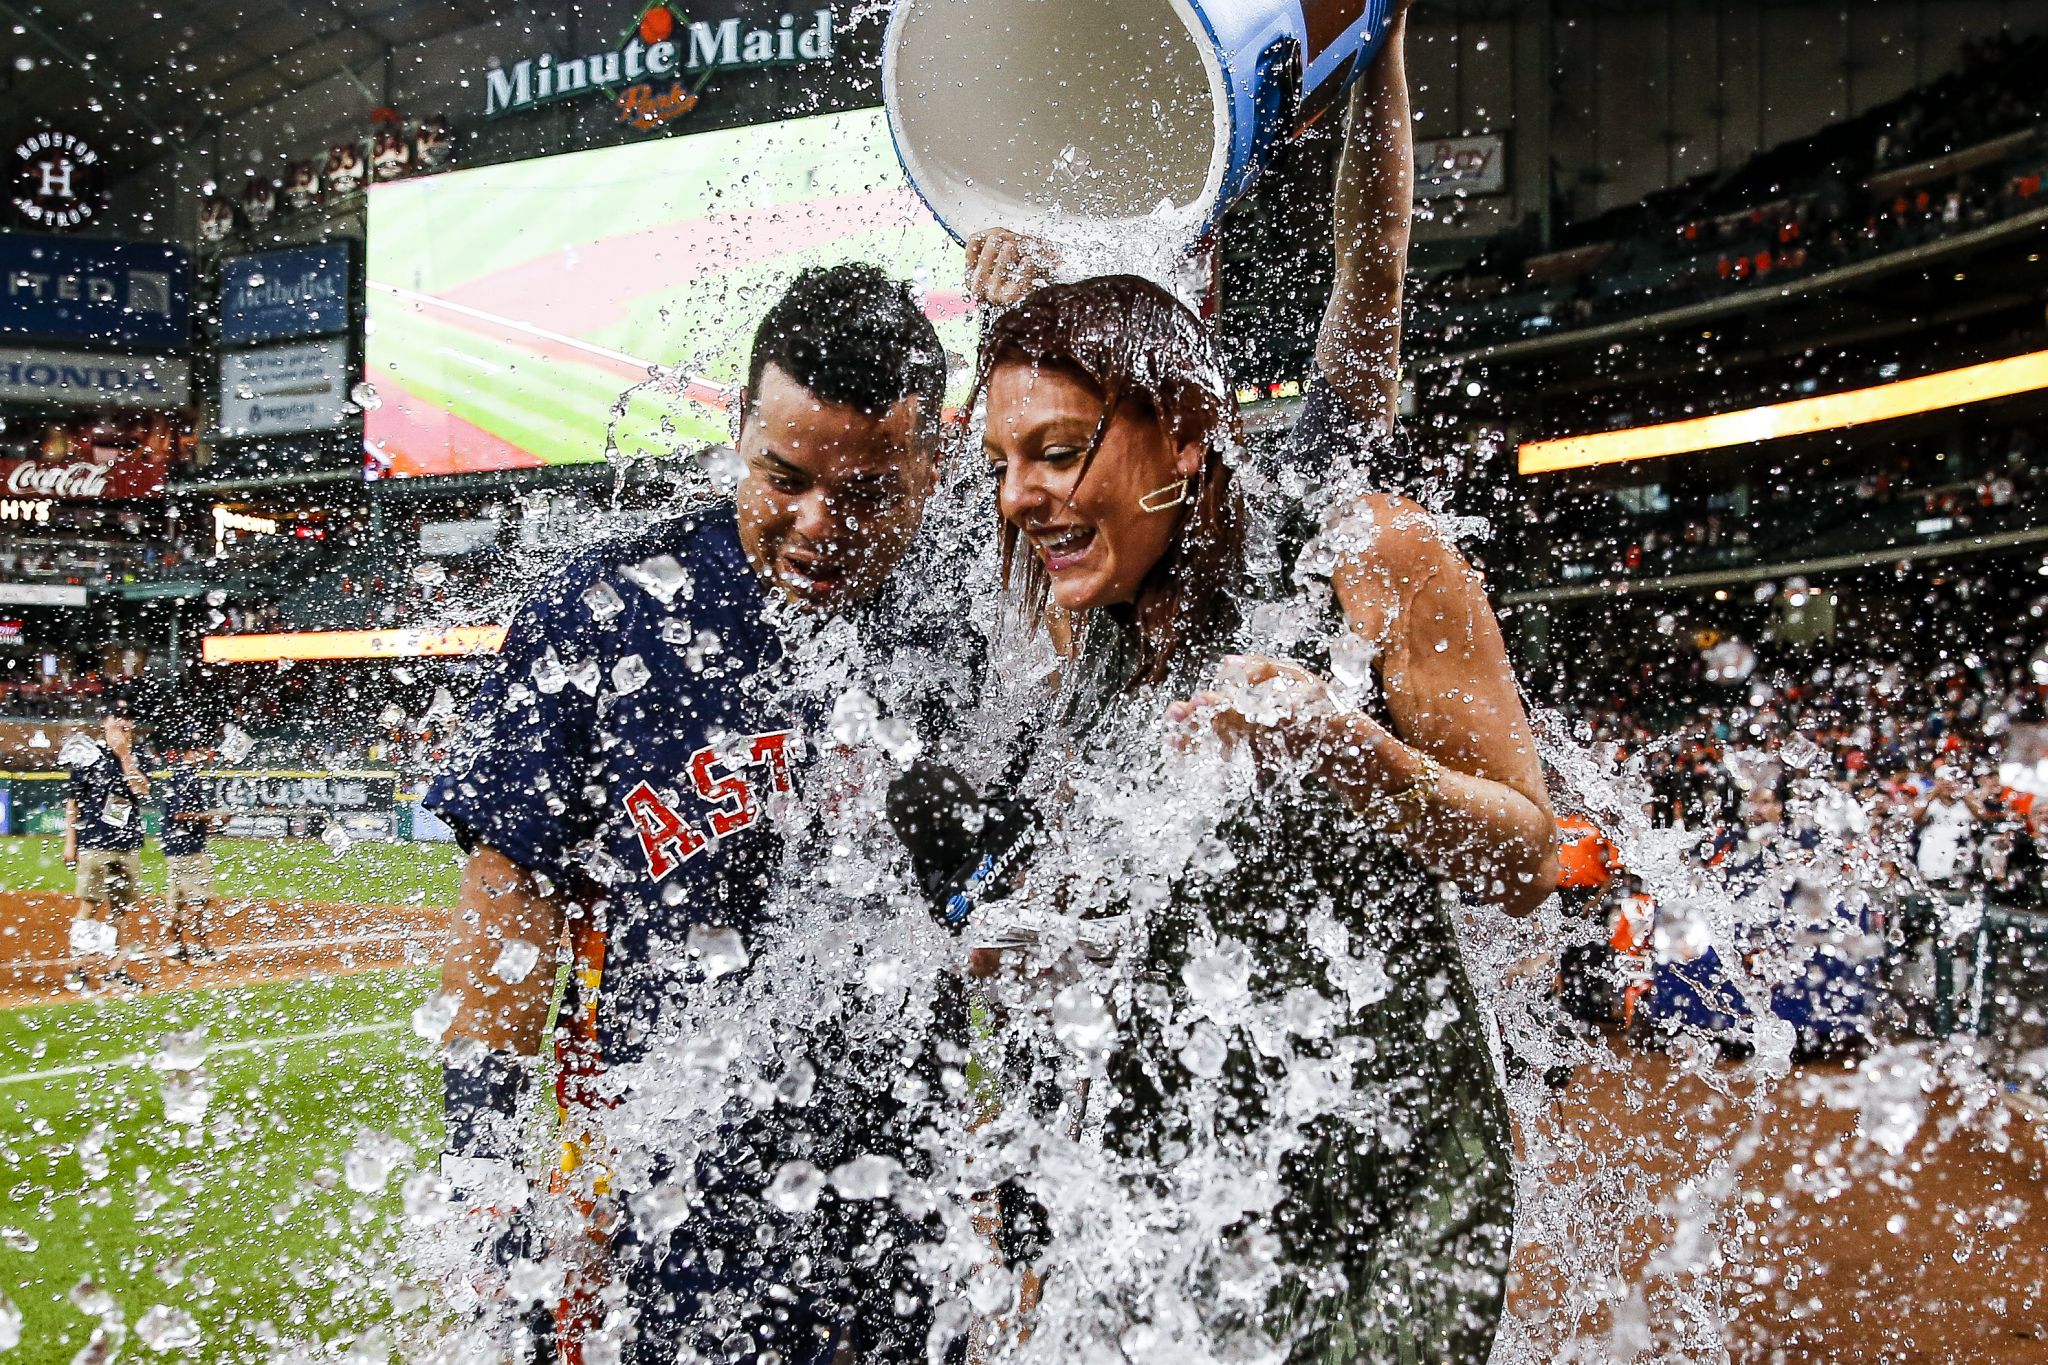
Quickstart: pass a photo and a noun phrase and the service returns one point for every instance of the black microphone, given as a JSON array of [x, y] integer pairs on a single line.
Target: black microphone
[[963, 846]]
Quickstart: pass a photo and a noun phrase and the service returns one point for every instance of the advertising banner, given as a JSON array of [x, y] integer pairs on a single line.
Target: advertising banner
[[79, 378], [283, 389], [279, 295], [41, 595], [1470, 166], [110, 294], [82, 480], [274, 805]]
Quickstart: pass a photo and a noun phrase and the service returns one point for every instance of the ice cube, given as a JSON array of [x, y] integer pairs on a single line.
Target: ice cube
[[722, 951], [186, 1095], [853, 716], [865, 1177], [663, 1208], [391, 716], [797, 1084], [429, 573], [897, 739], [1205, 1053], [603, 600], [662, 578], [19, 1239], [434, 1015], [428, 1197], [10, 1323], [1081, 1022], [516, 959], [367, 1167], [548, 674], [93, 938], [337, 840], [365, 396], [235, 744], [181, 1051], [586, 677], [1220, 977], [702, 646], [164, 1328], [630, 674], [89, 1298]]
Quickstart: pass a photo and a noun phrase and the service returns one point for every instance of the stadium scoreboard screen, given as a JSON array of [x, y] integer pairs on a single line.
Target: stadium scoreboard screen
[[517, 313]]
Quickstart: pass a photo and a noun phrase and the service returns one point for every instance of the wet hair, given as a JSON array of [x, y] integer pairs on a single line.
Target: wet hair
[[1135, 343], [851, 335]]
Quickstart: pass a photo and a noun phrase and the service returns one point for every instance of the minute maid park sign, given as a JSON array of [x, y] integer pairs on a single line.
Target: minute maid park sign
[[660, 47]]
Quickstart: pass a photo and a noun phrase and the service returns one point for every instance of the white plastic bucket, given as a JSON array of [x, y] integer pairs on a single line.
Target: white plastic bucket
[[1086, 117]]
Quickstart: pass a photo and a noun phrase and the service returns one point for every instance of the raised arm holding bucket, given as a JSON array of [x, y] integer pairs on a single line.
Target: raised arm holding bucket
[[1358, 346], [1071, 118]]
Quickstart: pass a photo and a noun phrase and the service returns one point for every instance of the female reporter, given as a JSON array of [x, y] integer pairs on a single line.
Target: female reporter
[[1285, 729], [1305, 938]]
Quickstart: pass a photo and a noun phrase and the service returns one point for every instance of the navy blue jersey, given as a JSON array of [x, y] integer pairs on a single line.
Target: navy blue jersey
[[109, 816], [183, 794], [628, 747]]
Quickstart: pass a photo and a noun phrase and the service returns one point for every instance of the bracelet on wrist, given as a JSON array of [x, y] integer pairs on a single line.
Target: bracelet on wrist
[[1391, 810]]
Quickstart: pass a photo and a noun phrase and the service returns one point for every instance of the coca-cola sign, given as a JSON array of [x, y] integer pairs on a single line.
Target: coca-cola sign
[[78, 479]]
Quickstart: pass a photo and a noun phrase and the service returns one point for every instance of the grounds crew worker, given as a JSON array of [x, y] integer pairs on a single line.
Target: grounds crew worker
[[616, 778], [103, 841], [188, 867]]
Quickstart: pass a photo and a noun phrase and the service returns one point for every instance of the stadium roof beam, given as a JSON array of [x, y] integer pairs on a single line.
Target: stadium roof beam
[[94, 72]]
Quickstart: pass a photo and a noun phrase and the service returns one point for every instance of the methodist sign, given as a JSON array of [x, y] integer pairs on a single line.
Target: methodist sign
[[279, 295], [99, 293], [659, 51], [81, 379]]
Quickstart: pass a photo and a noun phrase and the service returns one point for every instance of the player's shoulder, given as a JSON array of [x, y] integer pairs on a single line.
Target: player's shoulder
[[690, 553]]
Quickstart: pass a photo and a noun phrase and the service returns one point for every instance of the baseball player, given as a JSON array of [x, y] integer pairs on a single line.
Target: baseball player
[[617, 778]]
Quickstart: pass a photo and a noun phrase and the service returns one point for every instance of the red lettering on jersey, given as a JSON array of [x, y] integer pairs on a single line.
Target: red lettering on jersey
[[719, 789], [666, 838], [770, 749]]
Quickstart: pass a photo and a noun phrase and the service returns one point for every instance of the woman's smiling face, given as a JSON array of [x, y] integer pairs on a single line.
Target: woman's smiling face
[[1094, 540]]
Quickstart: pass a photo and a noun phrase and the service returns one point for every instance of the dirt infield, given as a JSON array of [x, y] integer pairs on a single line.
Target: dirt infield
[[1825, 1248], [255, 940]]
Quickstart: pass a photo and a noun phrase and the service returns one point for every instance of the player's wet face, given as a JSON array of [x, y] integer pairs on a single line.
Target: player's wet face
[[831, 495]]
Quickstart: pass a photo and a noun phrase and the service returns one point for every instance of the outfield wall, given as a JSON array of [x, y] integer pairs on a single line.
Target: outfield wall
[[263, 804]]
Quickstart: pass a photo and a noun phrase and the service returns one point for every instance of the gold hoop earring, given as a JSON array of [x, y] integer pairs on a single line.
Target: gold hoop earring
[[1166, 497]]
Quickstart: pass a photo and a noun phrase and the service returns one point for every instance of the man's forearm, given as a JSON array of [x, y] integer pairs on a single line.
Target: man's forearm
[[499, 903]]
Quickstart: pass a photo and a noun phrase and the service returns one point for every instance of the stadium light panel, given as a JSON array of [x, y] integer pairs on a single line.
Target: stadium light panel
[[352, 644], [1799, 417]]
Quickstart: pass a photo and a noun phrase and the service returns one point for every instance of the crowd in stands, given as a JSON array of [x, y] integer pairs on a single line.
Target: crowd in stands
[[1931, 488], [1961, 152], [1931, 723]]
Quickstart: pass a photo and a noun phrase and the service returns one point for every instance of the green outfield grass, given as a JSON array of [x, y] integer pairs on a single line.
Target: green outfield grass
[[273, 869], [242, 1219]]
